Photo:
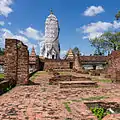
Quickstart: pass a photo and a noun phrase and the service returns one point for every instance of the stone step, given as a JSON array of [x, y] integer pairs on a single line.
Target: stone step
[[56, 79], [77, 84]]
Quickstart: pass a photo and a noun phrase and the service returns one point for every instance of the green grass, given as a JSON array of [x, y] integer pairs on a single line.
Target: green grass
[[67, 106], [1, 75], [68, 118], [99, 112], [88, 99], [103, 80], [76, 100], [106, 81], [37, 74], [64, 73], [94, 98]]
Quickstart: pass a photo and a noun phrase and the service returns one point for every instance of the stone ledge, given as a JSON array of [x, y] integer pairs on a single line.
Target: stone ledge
[[77, 84]]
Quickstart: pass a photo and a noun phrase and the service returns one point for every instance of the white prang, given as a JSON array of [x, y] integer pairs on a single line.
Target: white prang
[[50, 48]]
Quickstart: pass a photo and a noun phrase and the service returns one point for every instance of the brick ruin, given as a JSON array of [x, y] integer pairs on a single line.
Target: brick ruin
[[113, 67], [18, 64]]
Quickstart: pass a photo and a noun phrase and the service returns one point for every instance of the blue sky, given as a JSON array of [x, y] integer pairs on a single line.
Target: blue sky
[[80, 20]]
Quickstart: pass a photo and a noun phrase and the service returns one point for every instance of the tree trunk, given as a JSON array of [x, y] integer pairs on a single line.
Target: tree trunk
[[114, 47]]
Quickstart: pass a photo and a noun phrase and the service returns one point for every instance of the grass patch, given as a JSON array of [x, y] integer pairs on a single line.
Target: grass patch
[[37, 74], [99, 112], [1, 75], [76, 100], [67, 106], [106, 81], [64, 73], [94, 98], [103, 80], [68, 118]]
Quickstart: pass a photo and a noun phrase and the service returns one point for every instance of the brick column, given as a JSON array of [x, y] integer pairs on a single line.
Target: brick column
[[77, 65], [16, 67], [23, 63], [10, 64]]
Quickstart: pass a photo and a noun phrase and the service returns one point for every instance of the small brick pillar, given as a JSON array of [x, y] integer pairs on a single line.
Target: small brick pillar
[[16, 66], [77, 65]]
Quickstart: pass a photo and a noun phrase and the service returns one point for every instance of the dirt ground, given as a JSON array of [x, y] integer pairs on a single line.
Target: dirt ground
[[48, 102]]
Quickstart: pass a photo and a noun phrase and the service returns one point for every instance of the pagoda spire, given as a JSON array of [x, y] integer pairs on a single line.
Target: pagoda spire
[[51, 11], [33, 52]]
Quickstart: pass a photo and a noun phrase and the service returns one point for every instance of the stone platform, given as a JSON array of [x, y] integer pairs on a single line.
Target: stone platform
[[56, 79], [77, 84]]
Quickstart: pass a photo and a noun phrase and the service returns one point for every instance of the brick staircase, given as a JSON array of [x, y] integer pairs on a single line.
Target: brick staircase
[[69, 81]]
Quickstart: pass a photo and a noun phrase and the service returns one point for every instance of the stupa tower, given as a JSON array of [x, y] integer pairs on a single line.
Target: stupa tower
[[51, 47]]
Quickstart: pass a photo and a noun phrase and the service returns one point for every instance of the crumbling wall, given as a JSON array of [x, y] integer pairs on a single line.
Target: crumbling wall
[[22, 62], [16, 62], [56, 64], [93, 58], [113, 69], [10, 61]]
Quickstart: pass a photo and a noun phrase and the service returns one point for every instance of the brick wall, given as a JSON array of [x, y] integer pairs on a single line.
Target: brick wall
[[23, 63], [16, 62], [93, 58], [113, 68], [56, 64], [10, 63]]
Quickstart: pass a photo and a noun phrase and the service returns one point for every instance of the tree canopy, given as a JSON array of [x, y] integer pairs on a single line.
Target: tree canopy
[[76, 50], [106, 42], [1, 51], [117, 16]]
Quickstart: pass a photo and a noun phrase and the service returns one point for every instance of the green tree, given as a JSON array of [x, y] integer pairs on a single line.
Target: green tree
[[76, 50], [1, 51], [111, 41], [98, 44], [106, 42], [117, 16]]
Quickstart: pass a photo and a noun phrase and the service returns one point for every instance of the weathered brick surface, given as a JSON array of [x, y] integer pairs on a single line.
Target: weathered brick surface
[[2, 60], [23, 64], [114, 66], [55, 80], [16, 66], [77, 84], [10, 63], [93, 58], [77, 65], [56, 64]]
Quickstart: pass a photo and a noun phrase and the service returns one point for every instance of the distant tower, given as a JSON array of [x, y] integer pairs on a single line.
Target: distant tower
[[70, 54], [51, 47], [33, 52]]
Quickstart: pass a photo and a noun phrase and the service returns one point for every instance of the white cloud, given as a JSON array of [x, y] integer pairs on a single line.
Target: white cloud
[[9, 23], [63, 53], [93, 30], [5, 33], [116, 25], [32, 33], [97, 27], [2, 23], [5, 7], [93, 11]]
